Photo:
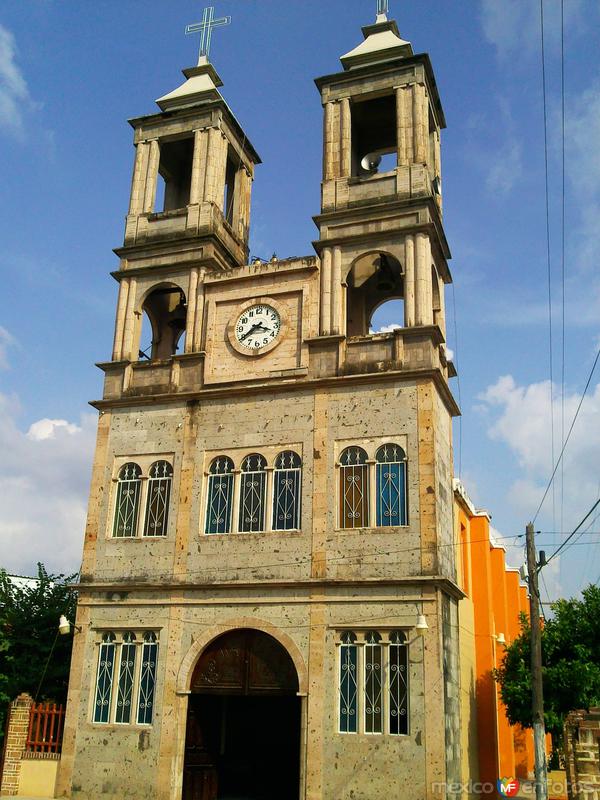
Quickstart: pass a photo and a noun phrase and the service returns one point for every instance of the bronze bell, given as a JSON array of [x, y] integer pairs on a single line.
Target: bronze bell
[[385, 277]]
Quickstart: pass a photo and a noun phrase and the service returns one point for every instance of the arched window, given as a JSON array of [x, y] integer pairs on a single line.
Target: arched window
[[348, 683], [219, 503], [157, 502], [147, 679], [104, 678], [354, 488], [128, 500], [398, 667], [126, 673], [252, 494], [373, 683], [391, 486], [287, 487]]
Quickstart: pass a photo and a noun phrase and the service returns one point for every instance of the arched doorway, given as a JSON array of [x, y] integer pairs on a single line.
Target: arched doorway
[[243, 726]]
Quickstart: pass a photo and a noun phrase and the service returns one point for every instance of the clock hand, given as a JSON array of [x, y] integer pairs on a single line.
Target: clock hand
[[251, 331]]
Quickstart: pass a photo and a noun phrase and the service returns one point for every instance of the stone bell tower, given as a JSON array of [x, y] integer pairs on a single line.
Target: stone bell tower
[[381, 207]]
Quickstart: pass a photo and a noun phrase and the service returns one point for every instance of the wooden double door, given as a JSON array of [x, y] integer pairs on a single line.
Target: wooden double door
[[243, 731]]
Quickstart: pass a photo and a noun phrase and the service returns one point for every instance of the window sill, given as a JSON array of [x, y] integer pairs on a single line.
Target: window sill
[[295, 532], [119, 726], [137, 538], [387, 529]]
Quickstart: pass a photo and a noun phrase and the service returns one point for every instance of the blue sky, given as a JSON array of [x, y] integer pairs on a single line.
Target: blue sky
[[72, 73]]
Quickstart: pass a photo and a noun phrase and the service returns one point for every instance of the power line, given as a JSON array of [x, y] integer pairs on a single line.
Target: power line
[[548, 262], [589, 380], [570, 536], [562, 254]]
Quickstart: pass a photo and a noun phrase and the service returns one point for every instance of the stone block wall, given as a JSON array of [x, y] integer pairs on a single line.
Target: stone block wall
[[582, 754]]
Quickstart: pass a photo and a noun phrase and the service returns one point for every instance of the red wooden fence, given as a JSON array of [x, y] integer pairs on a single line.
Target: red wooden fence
[[45, 728]]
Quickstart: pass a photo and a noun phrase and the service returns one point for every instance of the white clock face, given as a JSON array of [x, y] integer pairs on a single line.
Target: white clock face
[[257, 327]]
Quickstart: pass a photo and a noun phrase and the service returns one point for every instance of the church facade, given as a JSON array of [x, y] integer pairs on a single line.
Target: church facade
[[268, 597]]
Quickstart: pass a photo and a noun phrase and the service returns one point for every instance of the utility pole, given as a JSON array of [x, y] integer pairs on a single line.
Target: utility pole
[[539, 731]]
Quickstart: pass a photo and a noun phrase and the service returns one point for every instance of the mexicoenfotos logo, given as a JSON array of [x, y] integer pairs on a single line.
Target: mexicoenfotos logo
[[507, 787]]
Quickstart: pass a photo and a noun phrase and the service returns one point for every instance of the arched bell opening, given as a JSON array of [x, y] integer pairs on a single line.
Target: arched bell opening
[[387, 316], [164, 313], [373, 279], [243, 727]]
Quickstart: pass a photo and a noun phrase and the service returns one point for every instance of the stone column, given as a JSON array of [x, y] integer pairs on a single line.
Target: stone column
[[346, 136], [423, 303], [136, 202], [199, 316], [328, 113], [420, 124], [326, 292], [151, 176], [402, 127], [409, 281], [437, 157], [190, 321], [120, 320], [129, 322], [216, 164], [199, 167], [336, 291], [16, 739], [441, 321], [241, 203]]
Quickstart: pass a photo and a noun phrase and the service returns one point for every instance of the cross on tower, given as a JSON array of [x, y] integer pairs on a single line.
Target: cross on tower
[[383, 7], [205, 29]]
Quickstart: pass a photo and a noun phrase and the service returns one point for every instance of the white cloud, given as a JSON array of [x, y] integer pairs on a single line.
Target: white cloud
[[49, 428], [394, 326], [519, 417], [45, 475], [513, 26], [14, 94], [7, 340]]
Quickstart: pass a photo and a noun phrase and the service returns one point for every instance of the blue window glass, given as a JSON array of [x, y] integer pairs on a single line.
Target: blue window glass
[[373, 683], [253, 486], [129, 484], [391, 486], [104, 678], [147, 679], [348, 683], [126, 673], [398, 691], [220, 496], [287, 485], [157, 503]]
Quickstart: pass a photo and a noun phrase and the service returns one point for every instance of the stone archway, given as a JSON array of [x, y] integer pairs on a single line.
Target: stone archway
[[243, 724]]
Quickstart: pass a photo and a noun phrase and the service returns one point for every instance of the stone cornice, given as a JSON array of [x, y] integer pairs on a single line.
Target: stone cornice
[[128, 585], [291, 385]]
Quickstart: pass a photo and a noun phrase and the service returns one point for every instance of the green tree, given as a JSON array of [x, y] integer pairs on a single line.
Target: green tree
[[33, 657], [571, 664]]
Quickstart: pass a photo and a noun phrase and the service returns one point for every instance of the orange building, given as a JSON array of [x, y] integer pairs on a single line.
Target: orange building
[[488, 618]]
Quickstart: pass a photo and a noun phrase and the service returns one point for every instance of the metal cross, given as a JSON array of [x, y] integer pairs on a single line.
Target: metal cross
[[383, 6], [205, 29]]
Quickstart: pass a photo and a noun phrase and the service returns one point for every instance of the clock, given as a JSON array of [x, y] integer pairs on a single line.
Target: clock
[[257, 328]]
